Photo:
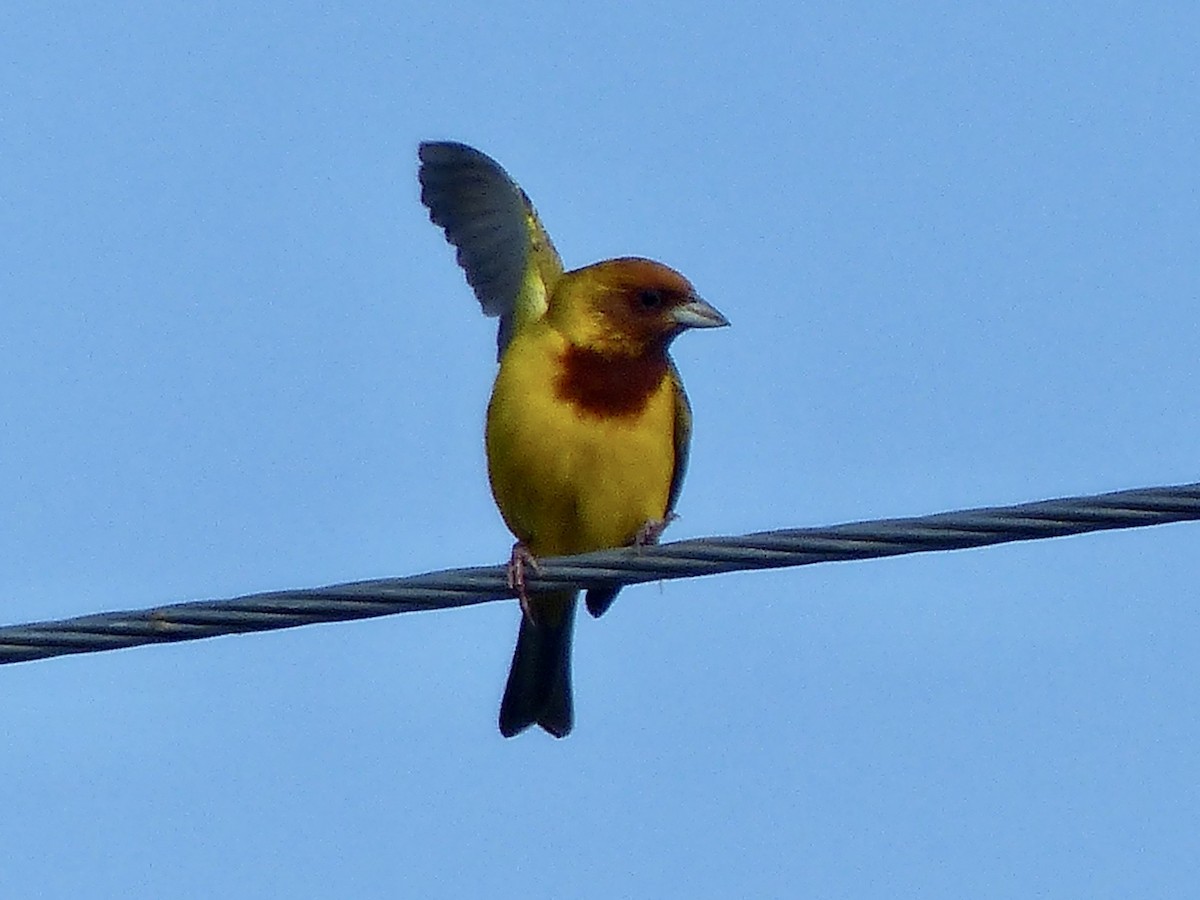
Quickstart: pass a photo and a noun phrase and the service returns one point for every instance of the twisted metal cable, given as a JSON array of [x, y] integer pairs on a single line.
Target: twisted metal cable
[[681, 559]]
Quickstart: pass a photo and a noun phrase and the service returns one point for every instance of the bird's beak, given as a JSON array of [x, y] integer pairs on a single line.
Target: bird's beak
[[696, 313]]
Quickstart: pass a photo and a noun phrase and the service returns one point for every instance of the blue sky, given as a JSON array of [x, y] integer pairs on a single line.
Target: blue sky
[[959, 247]]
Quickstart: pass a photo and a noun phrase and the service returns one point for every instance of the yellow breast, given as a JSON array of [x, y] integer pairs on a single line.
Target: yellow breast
[[568, 480]]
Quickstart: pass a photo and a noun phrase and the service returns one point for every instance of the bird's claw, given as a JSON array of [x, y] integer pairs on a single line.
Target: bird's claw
[[652, 529], [520, 558]]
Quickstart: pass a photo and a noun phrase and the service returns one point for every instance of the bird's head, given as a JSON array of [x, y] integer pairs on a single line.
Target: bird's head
[[627, 306]]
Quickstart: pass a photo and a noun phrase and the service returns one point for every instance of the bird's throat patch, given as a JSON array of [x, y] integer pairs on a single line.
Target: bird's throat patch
[[603, 384]]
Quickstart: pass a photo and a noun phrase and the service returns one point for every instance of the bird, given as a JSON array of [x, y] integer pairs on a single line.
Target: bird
[[588, 426]]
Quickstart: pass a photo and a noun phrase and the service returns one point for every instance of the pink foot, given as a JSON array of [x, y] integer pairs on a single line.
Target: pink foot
[[520, 558], [652, 529]]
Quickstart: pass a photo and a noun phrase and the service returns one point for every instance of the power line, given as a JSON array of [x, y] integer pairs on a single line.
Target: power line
[[681, 559]]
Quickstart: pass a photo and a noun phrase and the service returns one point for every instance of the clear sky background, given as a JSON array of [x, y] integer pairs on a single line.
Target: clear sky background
[[960, 247]]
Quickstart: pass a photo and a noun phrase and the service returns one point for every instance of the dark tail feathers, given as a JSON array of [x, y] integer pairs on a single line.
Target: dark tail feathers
[[539, 681]]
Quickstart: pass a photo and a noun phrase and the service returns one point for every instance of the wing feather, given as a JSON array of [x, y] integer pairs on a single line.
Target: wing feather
[[508, 258], [683, 438]]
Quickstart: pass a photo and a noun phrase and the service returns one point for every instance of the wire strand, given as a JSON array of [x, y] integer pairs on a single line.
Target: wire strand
[[681, 559]]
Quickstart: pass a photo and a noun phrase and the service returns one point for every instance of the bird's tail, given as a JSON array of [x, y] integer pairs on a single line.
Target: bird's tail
[[539, 681]]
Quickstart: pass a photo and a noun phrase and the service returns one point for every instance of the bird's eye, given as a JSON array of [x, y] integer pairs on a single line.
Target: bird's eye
[[649, 299]]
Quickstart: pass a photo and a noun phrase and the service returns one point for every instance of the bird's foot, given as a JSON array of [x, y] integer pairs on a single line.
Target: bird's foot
[[520, 558], [652, 529]]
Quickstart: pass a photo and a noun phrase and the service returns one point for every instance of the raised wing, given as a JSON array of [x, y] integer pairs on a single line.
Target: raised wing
[[505, 252]]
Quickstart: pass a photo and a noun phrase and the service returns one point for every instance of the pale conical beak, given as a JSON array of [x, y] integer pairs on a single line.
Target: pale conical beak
[[696, 313]]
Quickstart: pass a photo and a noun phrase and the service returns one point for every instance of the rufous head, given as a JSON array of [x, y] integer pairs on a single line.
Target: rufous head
[[628, 306]]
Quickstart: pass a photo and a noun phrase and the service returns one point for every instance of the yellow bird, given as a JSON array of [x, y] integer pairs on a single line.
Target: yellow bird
[[588, 425]]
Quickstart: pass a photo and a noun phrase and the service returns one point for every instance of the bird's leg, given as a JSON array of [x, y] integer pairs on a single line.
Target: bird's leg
[[520, 558], [652, 529]]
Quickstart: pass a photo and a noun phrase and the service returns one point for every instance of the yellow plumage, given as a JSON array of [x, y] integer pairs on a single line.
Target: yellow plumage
[[567, 481], [588, 425]]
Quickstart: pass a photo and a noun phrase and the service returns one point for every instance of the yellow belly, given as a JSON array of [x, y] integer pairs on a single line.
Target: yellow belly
[[568, 481]]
